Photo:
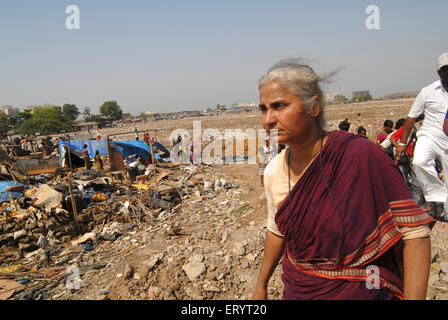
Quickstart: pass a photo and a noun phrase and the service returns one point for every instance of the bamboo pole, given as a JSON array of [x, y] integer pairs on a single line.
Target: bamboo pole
[[75, 211], [109, 154], [72, 197], [154, 168], [8, 168], [12, 202], [69, 153]]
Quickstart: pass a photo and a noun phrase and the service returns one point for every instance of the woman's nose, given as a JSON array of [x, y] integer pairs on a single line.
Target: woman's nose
[[269, 119]]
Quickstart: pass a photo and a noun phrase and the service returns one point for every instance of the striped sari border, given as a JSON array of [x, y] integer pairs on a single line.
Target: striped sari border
[[408, 213], [348, 274], [384, 236]]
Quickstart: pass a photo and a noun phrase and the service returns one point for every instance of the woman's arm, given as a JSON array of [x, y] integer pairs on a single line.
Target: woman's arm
[[273, 251], [417, 261]]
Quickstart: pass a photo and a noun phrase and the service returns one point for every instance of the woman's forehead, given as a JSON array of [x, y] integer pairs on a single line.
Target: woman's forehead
[[273, 84], [274, 88]]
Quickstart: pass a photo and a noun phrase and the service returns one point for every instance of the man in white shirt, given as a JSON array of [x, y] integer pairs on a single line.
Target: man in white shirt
[[266, 154], [432, 141]]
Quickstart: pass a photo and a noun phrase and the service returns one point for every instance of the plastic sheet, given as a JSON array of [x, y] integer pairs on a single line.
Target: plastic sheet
[[4, 196]]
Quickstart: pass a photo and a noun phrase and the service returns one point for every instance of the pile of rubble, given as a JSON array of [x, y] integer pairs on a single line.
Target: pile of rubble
[[48, 208], [38, 220], [186, 242]]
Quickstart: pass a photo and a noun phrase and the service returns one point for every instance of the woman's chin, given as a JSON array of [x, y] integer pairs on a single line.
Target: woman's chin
[[282, 140]]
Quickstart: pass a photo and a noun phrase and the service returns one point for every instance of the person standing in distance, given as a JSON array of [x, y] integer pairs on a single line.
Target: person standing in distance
[[432, 142], [85, 155]]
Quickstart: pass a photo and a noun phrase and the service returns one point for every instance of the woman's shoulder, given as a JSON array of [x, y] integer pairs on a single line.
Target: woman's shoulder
[[275, 165], [355, 145]]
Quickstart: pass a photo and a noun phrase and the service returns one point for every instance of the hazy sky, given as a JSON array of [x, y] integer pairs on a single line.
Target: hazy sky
[[182, 55]]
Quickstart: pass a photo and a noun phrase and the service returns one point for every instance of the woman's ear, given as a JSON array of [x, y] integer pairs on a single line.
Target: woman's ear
[[315, 109]]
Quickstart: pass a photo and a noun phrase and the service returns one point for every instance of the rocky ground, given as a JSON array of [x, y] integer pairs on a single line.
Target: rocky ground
[[208, 245]]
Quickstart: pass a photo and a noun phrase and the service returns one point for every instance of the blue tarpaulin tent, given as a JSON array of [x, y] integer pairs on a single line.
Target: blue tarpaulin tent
[[138, 147], [76, 146], [160, 147], [126, 148]]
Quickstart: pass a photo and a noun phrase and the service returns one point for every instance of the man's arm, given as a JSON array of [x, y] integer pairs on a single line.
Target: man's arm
[[417, 108], [395, 144], [408, 125], [393, 141], [273, 251], [416, 262]]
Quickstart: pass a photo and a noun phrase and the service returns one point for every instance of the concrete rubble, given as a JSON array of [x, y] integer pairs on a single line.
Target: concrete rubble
[[190, 242]]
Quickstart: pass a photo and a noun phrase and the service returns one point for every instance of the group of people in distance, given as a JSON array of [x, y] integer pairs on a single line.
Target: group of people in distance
[[345, 125], [340, 215], [389, 139], [98, 162]]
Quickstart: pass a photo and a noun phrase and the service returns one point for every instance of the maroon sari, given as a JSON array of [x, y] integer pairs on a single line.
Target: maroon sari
[[346, 209]]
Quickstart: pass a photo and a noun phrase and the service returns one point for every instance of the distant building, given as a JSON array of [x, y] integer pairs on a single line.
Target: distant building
[[357, 94], [211, 113], [11, 111], [243, 107], [411, 94], [338, 97], [84, 126], [193, 113]]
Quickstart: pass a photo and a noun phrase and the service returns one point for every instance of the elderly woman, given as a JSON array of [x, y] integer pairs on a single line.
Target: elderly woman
[[339, 212]]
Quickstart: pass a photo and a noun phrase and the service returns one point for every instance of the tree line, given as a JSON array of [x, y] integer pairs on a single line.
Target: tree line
[[48, 119]]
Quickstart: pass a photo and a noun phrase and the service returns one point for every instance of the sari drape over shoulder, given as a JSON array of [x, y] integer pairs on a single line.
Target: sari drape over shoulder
[[342, 217]]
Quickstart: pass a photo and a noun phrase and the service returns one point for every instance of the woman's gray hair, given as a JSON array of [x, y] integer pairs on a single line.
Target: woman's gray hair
[[302, 81]]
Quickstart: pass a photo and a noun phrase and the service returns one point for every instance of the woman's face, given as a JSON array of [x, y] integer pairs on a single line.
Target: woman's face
[[285, 112]]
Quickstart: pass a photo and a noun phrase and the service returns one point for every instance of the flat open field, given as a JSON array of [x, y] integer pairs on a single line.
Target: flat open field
[[373, 114]]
